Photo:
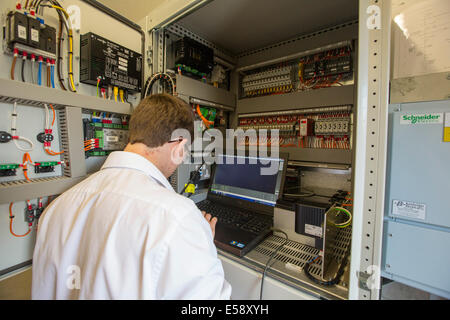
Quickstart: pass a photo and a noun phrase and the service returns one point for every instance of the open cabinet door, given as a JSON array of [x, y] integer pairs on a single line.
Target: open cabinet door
[[371, 148]]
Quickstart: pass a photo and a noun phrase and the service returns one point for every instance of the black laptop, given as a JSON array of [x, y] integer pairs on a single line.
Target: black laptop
[[242, 195]]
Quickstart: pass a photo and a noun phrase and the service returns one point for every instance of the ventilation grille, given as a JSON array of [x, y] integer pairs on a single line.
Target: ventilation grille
[[27, 102], [64, 138], [299, 254], [8, 184]]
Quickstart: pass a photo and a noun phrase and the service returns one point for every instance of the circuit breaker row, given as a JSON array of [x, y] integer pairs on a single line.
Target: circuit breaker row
[[321, 70], [32, 33], [320, 130]]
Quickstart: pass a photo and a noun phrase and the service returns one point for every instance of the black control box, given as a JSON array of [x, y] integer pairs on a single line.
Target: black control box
[[115, 65], [194, 55]]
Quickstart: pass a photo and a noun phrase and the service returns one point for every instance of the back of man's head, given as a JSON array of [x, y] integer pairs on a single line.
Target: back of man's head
[[157, 117]]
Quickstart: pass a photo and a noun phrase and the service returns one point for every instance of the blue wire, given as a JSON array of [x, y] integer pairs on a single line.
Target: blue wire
[[52, 68], [40, 74]]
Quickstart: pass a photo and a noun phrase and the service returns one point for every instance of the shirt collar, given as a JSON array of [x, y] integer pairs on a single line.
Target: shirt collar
[[130, 160]]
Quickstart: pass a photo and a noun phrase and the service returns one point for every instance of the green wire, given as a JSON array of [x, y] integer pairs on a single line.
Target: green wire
[[340, 225]]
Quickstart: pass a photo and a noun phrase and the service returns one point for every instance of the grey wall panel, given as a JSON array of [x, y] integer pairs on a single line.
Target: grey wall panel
[[419, 255], [428, 87]]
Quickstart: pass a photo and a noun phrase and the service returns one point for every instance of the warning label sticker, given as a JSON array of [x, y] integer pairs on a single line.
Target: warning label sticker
[[35, 35], [313, 230], [409, 209], [22, 32]]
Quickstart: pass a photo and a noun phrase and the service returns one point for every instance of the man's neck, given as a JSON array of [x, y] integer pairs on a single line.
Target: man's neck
[[151, 154]]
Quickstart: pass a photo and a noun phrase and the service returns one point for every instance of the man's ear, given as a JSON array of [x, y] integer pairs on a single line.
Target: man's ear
[[178, 152]]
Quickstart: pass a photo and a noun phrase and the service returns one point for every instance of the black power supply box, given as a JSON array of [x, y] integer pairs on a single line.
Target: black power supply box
[[115, 65]]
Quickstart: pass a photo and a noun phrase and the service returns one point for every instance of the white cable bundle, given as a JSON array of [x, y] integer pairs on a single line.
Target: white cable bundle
[[47, 118], [14, 134]]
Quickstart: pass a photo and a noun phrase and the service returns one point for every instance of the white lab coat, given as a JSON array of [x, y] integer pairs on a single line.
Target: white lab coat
[[123, 233]]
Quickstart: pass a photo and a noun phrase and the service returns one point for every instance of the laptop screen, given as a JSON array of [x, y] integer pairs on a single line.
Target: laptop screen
[[249, 179]]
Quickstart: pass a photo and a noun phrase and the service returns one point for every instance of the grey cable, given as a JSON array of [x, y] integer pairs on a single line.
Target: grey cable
[[270, 259]]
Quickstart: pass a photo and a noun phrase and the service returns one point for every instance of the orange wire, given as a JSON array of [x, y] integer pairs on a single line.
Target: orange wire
[[13, 66], [11, 218], [54, 115], [206, 121], [26, 157]]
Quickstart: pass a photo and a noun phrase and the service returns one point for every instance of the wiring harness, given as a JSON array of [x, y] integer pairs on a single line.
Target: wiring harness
[[65, 23], [32, 214], [163, 77], [333, 281], [46, 137]]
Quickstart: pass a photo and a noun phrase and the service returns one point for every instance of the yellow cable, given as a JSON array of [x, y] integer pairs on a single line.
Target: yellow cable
[[116, 93], [71, 61], [72, 84], [62, 9], [121, 93]]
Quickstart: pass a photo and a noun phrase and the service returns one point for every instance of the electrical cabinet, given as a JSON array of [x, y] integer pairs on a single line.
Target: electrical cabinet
[[305, 81], [417, 224]]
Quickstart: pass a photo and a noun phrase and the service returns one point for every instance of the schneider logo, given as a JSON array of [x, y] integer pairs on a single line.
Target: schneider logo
[[422, 118]]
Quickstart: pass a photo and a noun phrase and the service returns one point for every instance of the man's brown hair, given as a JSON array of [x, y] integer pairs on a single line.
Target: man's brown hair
[[156, 117]]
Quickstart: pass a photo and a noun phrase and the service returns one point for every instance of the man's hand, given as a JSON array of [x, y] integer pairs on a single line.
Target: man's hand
[[212, 222]]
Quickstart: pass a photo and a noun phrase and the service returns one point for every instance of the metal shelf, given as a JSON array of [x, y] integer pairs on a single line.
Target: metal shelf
[[196, 89], [336, 156], [20, 190], [30, 94], [333, 96]]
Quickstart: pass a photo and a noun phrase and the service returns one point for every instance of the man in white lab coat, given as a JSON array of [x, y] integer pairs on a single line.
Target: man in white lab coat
[[124, 233]]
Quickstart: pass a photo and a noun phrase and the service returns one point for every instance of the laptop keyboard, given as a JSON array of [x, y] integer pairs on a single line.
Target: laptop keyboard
[[239, 219]]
